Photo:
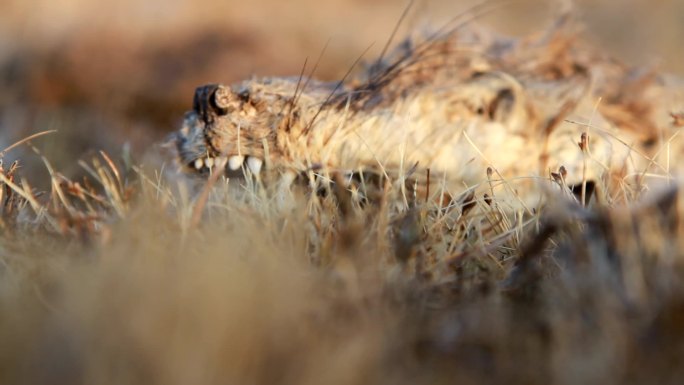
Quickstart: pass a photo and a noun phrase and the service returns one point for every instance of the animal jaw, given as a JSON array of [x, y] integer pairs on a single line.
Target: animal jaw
[[504, 111], [435, 127]]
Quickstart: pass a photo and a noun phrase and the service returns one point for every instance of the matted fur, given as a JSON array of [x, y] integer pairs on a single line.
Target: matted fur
[[474, 108]]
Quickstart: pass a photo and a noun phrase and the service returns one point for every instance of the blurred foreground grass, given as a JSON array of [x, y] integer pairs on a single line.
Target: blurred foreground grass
[[115, 281]]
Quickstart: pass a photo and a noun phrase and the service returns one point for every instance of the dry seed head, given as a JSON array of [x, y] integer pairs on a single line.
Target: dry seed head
[[677, 119], [584, 142]]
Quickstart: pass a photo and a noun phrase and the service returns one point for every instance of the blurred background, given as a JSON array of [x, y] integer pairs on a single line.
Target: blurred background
[[113, 74]]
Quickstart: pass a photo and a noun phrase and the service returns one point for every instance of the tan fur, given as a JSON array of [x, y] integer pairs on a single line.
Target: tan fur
[[458, 105]]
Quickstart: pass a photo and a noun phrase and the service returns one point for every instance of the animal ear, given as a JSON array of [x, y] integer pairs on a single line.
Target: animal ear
[[496, 96]]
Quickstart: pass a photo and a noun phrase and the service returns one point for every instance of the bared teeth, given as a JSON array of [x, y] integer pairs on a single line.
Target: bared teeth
[[235, 162], [287, 178], [254, 164], [209, 162]]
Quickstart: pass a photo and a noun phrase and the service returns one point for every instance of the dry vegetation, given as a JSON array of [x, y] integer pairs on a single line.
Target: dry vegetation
[[116, 282], [132, 274]]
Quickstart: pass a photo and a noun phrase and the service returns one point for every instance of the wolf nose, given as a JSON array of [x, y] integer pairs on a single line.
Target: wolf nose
[[211, 101], [222, 98]]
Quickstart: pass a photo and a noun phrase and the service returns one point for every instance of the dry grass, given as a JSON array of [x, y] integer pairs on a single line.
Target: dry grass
[[111, 281], [136, 275]]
